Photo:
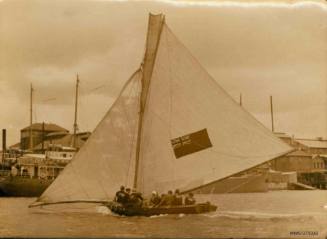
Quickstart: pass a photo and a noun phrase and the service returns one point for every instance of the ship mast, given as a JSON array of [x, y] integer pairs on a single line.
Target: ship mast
[[155, 25], [31, 119], [75, 116], [272, 114]]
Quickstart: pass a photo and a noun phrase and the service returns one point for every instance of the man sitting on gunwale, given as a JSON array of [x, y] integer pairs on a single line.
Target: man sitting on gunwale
[[190, 200]]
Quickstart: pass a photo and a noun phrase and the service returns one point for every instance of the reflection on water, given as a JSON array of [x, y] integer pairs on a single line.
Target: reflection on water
[[273, 214]]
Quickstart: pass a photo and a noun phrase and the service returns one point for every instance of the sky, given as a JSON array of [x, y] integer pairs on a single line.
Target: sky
[[256, 48]]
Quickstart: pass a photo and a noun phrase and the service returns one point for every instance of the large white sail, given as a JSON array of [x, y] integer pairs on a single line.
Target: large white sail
[[107, 159], [193, 132], [175, 121]]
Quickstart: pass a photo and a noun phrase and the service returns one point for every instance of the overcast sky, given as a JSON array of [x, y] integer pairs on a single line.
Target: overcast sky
[[255, 48]]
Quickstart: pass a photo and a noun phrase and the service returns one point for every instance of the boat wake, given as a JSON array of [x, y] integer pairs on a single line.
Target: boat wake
[[181, 215], [104, 210], [246, 215], [157, 216]]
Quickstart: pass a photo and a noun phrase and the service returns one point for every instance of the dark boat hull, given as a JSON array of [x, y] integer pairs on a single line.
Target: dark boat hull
[[150, 211], [22, 186]]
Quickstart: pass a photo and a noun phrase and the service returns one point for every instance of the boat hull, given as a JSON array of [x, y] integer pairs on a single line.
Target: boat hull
[[117, 208], [22, 186]]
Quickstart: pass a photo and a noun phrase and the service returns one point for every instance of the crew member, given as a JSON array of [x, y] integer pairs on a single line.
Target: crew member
[[178, 199], [121, 196], [136, 199], [189, 199], [128, 194], [167, 199], [155, 199]]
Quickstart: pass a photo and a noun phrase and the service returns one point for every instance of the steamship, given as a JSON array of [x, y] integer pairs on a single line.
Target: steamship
[[29, 174]]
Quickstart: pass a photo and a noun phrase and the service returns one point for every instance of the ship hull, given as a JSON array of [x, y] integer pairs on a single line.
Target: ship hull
[[240, 184], [22, 186], [150, 211]]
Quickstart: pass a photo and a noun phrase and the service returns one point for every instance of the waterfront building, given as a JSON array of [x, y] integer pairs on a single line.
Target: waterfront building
[[46, 134], [39, 132], [309, 160]]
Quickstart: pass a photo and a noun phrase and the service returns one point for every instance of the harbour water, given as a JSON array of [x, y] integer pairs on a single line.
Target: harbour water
[[283, 214]]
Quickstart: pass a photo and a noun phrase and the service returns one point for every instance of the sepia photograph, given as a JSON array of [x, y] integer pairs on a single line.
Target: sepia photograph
[[163, 119]]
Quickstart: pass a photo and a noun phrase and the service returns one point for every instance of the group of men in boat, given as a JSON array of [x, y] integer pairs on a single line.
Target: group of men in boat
[[132, 198]]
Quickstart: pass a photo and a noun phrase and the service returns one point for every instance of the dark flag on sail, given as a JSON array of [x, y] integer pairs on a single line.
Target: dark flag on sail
[[191, 143]]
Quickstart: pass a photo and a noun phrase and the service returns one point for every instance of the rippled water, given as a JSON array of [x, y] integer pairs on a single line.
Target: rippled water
[[272, 214]]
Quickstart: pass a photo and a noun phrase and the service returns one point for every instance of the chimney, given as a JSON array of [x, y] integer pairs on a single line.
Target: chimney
[[4, 146]]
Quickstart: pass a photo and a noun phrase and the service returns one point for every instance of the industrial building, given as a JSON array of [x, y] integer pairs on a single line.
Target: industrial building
[[46, 134], [309, 160]]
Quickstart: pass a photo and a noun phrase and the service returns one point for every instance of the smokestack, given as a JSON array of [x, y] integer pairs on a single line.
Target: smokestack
[[4, 143], [43, 137]]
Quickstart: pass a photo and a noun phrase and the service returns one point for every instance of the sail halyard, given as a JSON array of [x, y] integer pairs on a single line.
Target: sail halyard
[[155, 25]]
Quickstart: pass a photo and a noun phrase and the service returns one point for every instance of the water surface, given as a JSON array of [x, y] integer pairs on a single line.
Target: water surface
[[272, 214]]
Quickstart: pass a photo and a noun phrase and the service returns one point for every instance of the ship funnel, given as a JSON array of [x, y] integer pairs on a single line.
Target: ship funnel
[[4, 146]]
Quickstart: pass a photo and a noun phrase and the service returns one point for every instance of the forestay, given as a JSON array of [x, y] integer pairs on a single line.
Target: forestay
[[192, 132]]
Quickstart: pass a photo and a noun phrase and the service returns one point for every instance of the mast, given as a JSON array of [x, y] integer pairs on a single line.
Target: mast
[[155, 25], [75, 116], [272, 114], [31, 118], [240, 99]]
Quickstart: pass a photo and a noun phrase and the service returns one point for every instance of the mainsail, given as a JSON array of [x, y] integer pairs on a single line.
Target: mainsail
[[171, 127]]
